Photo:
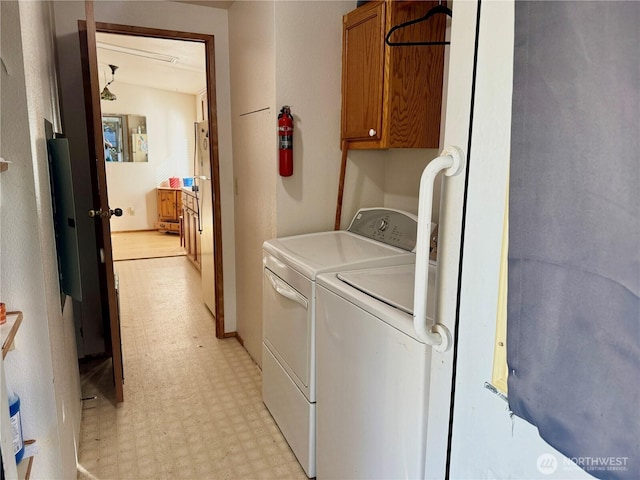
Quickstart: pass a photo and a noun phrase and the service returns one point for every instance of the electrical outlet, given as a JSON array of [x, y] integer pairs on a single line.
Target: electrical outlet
[[131, 211]]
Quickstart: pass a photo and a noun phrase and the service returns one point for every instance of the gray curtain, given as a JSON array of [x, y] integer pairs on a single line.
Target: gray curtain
[[573, 341]]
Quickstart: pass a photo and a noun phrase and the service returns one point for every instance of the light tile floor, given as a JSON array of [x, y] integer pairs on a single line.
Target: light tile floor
[[193, 406]]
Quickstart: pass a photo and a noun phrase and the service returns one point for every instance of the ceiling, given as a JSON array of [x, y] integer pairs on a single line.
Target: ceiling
[[143, 60]]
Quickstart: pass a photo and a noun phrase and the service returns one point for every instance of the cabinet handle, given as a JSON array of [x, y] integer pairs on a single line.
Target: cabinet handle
[[372, 132]]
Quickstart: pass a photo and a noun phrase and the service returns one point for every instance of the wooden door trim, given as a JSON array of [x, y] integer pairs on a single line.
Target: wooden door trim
[[214, 158]]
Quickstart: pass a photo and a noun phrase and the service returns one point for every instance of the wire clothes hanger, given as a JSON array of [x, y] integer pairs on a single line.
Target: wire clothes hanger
[[440, 9]]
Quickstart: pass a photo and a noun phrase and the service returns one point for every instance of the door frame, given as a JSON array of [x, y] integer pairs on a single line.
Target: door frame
[[214, 159]]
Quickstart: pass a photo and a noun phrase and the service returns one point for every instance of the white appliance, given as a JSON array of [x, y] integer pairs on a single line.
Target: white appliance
[[376, 237], [202, 186], [376, 333], [372, 375]]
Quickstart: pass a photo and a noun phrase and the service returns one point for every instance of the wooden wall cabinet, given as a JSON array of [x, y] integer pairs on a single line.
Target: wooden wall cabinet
[[391, 96], [190, 226], [169, 209]]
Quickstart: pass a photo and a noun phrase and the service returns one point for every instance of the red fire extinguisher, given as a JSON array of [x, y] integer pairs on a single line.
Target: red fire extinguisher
[[285, 141]]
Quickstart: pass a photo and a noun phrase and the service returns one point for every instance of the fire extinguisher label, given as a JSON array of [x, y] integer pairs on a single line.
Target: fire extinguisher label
[[286, 142]]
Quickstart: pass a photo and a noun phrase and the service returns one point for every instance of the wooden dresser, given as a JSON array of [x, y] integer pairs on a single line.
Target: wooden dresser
[[169, 209]]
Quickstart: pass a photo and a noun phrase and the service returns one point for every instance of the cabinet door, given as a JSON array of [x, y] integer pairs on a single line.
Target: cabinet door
[[178, 205], [167, 205], [362, 72], [187, 230], [392, 96], [415, 73]]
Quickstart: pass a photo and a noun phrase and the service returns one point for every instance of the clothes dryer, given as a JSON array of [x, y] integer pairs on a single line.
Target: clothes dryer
[[375, 237]]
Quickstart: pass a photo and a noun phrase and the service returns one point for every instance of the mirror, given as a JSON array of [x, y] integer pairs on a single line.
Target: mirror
[[125, 138]]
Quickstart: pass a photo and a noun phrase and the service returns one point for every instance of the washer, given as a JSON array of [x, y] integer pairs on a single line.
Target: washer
[[372, 375], [376, 237]]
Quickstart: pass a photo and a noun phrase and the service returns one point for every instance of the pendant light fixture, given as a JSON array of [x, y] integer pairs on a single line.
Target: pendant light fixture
[[106, 94]]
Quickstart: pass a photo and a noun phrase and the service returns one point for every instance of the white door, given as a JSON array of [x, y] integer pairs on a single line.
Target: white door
[[458, 106], [486, 441]]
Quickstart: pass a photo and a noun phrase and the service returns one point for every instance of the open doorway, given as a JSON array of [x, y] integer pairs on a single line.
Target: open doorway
[[159, 126]]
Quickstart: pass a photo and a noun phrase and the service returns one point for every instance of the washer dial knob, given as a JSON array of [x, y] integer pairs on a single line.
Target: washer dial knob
[[382, 225]]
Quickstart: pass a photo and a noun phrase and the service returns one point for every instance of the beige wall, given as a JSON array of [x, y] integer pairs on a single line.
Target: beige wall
[[43, 368], [132, 185], [308, 56], [402, 179], [290, 53], [308, 65], [282, 53], [251, 39]]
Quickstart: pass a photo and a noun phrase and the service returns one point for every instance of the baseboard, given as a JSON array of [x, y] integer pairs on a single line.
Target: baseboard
[[134, 231]]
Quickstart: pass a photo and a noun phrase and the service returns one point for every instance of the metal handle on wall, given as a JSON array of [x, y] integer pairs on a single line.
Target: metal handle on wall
[[451, 160]]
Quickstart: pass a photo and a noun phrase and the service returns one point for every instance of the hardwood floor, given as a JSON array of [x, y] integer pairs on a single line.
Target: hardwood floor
[[145, 244]]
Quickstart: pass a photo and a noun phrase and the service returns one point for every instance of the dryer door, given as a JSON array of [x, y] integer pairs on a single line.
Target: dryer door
[[287, 315]]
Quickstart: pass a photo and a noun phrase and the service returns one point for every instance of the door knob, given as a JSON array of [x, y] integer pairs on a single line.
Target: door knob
[[105, 214], [372, 132]]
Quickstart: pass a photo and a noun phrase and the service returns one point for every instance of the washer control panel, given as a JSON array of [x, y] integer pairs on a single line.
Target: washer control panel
[[393, 227]]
